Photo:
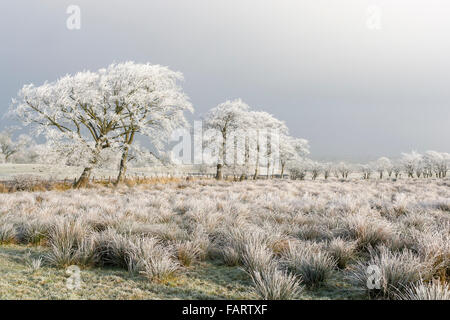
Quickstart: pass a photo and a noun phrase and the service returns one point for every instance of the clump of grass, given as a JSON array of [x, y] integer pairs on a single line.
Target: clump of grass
[[33, 264], [434, 246], [187, 252], [136, 250], [313, 232], [250, 245], [397, 270], [230, 256], [7, 232], [342, 251], [151, 259], [202, 242], [159, 267], [421, 290], [112, 249], [279, 246], [255, 257], [65, 238], [271, 283], [310, 262], [369, 232], [86, 254], [34, 231]]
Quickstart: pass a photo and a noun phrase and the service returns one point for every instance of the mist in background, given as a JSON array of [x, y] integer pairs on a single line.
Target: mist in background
[[355, 90]]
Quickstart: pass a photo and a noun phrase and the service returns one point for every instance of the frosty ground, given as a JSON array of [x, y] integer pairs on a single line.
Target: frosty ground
[[204, 239]]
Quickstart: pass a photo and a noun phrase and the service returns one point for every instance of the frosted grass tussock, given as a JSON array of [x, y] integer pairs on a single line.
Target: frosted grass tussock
[[230, 256], [255, 256], [7, 232], [148, 257], [33, 264], [310, 261], [112, 248], [187, 252], [159, 267], [313, 232], [434, 246], [251, 246], [369, 231], [433, 290], [398, 270], [65, 238], [271, 283], [35, 230], [342, 251]]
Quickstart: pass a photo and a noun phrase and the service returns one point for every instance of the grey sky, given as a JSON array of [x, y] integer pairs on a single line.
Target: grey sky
[[353, 92]]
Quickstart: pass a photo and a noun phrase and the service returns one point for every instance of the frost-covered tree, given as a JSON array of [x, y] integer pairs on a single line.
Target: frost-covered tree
[[315, 168], [298, 169], [152, 104], [411, 163], [366, 170], [290, 149], [265, 126], [275, 130], [65, 112], [219, 124], [327, 167], [86, 115], [382, 165], [9, 147], [437, 162], [343, 169], [397, 168]]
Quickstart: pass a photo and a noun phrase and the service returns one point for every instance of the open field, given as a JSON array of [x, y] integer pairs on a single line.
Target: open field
[[9, 171], [204, 239]]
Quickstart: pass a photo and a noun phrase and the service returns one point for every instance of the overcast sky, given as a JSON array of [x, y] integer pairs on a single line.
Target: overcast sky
[[357, 84]]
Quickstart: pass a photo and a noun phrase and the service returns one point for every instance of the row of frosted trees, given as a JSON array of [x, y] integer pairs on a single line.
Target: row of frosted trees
[[95, 119], [241, 141], [431, 164]]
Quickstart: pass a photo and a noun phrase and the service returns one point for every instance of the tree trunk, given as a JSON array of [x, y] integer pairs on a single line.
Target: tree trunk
[[255, 176], [83, 181], [124, 158], [219, 175], [247, 157], [123, 166], [282, 170]]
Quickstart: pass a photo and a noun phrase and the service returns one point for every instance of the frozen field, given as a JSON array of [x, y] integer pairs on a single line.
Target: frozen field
[[222, 240]]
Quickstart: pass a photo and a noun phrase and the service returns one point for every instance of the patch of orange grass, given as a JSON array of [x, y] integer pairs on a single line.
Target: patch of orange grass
[[3, 188]]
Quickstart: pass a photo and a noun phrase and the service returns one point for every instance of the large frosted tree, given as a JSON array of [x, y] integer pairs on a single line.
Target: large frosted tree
[[86, 115], [152, 104]]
